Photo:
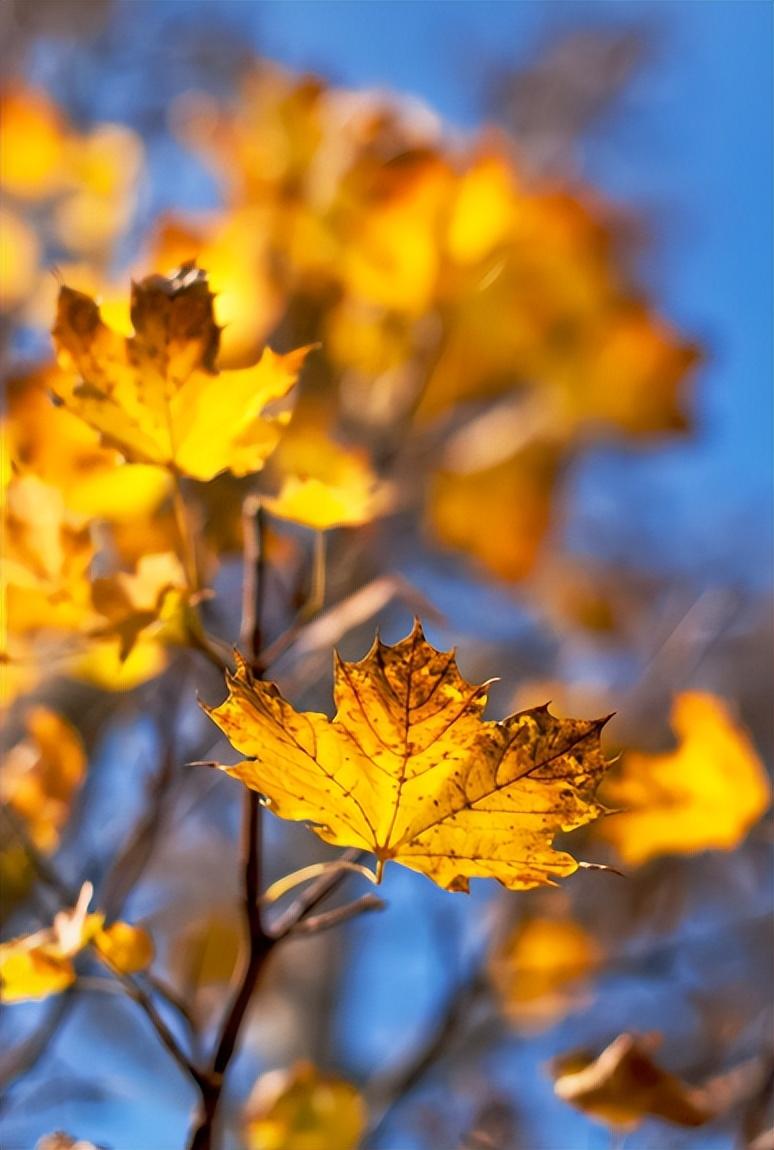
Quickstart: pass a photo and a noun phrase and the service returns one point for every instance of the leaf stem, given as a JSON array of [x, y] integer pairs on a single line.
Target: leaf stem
[[290, 881], [188, 552]]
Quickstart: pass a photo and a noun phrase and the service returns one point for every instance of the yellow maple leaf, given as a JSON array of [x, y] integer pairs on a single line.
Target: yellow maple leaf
[[157, 395], [704, 795], [624, 1085], [539, 968], [302, 1109], [40, 774], [409, 770]]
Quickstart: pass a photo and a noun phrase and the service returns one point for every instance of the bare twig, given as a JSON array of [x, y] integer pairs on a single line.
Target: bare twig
[[20, 1059], [66, 894], [259, 943], [330, 918]]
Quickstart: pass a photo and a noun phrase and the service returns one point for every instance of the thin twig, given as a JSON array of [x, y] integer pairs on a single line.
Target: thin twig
[[187, 541], [331, 918], [66, 894], [20, 1059]]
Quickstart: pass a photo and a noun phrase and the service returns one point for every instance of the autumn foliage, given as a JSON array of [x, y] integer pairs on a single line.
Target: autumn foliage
[[384, 355]]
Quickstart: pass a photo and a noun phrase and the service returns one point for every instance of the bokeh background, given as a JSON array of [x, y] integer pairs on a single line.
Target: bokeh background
[[664, 113]]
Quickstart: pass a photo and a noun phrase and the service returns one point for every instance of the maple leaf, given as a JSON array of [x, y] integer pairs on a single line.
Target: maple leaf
[[624, 1085], [704, 795], [157, 395], [409, 770]]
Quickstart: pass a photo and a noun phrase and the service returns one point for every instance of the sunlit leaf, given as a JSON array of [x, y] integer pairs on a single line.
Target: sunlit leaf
[[321, 483], [408, 769], [47, 440], [158, 396], [128, 948], [704, 795], [41, 964]]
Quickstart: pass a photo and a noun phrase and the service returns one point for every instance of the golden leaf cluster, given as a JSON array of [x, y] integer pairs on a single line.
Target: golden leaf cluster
[[436, 276]]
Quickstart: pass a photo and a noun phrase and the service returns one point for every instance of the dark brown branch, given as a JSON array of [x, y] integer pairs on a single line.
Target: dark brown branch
[[259, 943]]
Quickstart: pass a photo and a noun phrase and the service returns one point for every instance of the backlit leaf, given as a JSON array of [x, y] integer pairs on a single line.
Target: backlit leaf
[[704, 795], [408, 769], [157, 395], [41, 964]]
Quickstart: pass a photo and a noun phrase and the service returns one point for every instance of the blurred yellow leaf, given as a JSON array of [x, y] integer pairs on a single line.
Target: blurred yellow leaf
[[39, 775], [128, 948], [483, 209], [158, 396], [410, 771], [103, 664], [133, 603], [500, 514], [102, 173], [393, 255], [538, 969], [624, 1085], [704, 795], [319, 505], [302, 1109], [45, 563], [19, 257], [33, 144], [623, 371], [60, 449], [321, 483], [41, 964]]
